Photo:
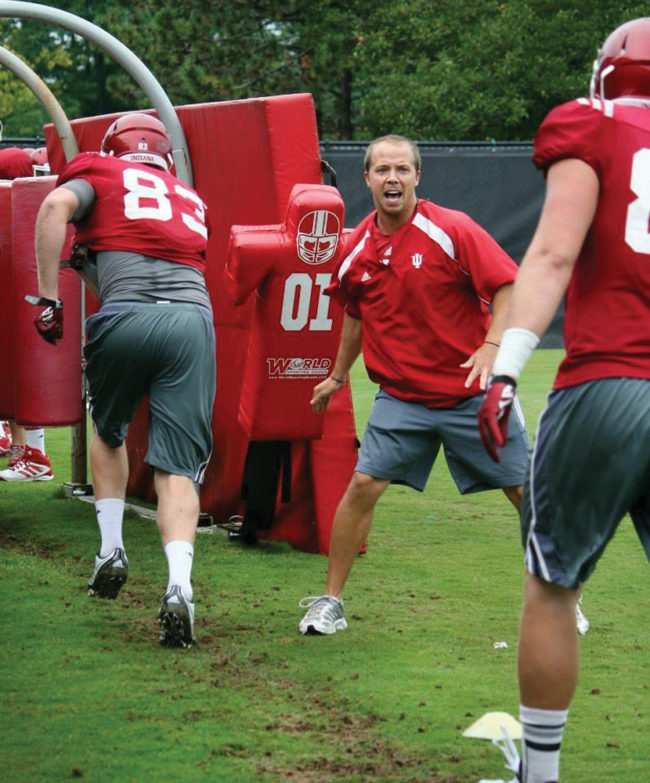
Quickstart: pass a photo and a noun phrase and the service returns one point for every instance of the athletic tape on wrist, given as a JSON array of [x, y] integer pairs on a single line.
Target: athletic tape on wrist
[[43, 301], [516, 347]]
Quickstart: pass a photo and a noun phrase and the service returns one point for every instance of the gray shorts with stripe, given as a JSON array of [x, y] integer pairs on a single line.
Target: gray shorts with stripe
[[590, 466]]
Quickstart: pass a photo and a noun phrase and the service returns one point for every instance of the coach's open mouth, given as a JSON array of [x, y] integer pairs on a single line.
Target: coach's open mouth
[[392, 195]]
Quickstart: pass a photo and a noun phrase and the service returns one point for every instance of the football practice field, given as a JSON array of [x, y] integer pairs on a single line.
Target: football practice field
[[88, 693]]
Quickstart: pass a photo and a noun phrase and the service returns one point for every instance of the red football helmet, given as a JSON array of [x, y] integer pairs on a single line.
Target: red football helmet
[[139, 138], [622, 67]]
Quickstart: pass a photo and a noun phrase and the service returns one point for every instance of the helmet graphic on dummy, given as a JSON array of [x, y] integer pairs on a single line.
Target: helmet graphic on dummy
[[318, 236]]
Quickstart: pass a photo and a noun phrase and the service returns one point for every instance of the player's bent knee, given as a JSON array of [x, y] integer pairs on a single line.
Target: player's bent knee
[[365, 487], [540, 592]]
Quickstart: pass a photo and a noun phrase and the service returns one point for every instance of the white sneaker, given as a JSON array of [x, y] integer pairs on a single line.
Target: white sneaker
[[325, 615], [581, 621], [33, 465], [509, 750]]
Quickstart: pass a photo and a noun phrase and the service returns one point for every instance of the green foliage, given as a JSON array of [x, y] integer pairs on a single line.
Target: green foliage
[[73, 69], [478, 71], [443, 70], [88, 693]]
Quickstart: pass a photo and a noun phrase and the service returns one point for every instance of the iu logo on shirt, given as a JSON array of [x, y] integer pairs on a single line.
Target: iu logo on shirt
[[416, 260], [318, 236]]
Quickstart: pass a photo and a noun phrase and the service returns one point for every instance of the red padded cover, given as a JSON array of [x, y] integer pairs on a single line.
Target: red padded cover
[[246, 158], [295, 328], [7, 339], [47, 377]]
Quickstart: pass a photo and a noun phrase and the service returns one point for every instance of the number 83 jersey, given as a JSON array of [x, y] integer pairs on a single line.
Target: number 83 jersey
[[139, 209], [607, 317]]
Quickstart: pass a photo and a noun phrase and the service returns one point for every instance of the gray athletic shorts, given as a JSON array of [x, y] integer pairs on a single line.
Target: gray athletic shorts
[[166, 351], [590, 466], [402, 441]]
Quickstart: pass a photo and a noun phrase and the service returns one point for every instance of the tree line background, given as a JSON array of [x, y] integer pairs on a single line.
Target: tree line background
[[431, 69]]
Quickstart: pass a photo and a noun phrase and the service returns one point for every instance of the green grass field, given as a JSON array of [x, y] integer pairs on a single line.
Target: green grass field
[[88, 693]]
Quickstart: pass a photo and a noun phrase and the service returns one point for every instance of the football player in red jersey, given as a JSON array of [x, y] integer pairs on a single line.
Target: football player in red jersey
[[416, 285], [591, 460], [153, 336]]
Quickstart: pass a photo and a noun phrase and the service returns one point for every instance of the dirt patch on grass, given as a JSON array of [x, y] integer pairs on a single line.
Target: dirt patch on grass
[[361, 757], [41, 549], [351, 748]]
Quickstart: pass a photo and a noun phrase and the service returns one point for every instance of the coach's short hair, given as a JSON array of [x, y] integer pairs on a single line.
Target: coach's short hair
[[395, 139]]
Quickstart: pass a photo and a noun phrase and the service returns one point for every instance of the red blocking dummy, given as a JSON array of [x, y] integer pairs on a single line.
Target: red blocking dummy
[[246, 158], [295, 327], [46, 378], [7, 339]]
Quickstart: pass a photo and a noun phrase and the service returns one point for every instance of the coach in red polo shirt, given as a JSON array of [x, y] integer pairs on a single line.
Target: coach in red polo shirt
[[417, 283]]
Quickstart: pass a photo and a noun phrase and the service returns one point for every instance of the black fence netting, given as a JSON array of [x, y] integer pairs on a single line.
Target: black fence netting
[[495, 183]]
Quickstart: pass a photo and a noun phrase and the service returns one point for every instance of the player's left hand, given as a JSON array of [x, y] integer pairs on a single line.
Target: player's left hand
[[49, 323], [494, 413]]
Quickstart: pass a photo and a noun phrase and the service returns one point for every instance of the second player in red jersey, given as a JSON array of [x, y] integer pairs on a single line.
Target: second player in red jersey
[[606, 320], [590, 464]]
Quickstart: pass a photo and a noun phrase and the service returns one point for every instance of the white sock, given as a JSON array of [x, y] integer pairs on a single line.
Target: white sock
[[542, 732], [110, 512], [35, 439], [180, 555]]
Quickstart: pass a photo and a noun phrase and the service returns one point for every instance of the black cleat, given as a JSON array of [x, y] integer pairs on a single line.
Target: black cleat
[[109, 575], [176, 618]]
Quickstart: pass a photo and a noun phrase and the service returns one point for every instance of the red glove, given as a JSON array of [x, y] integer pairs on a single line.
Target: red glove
[[49, 324], [494, 413]]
